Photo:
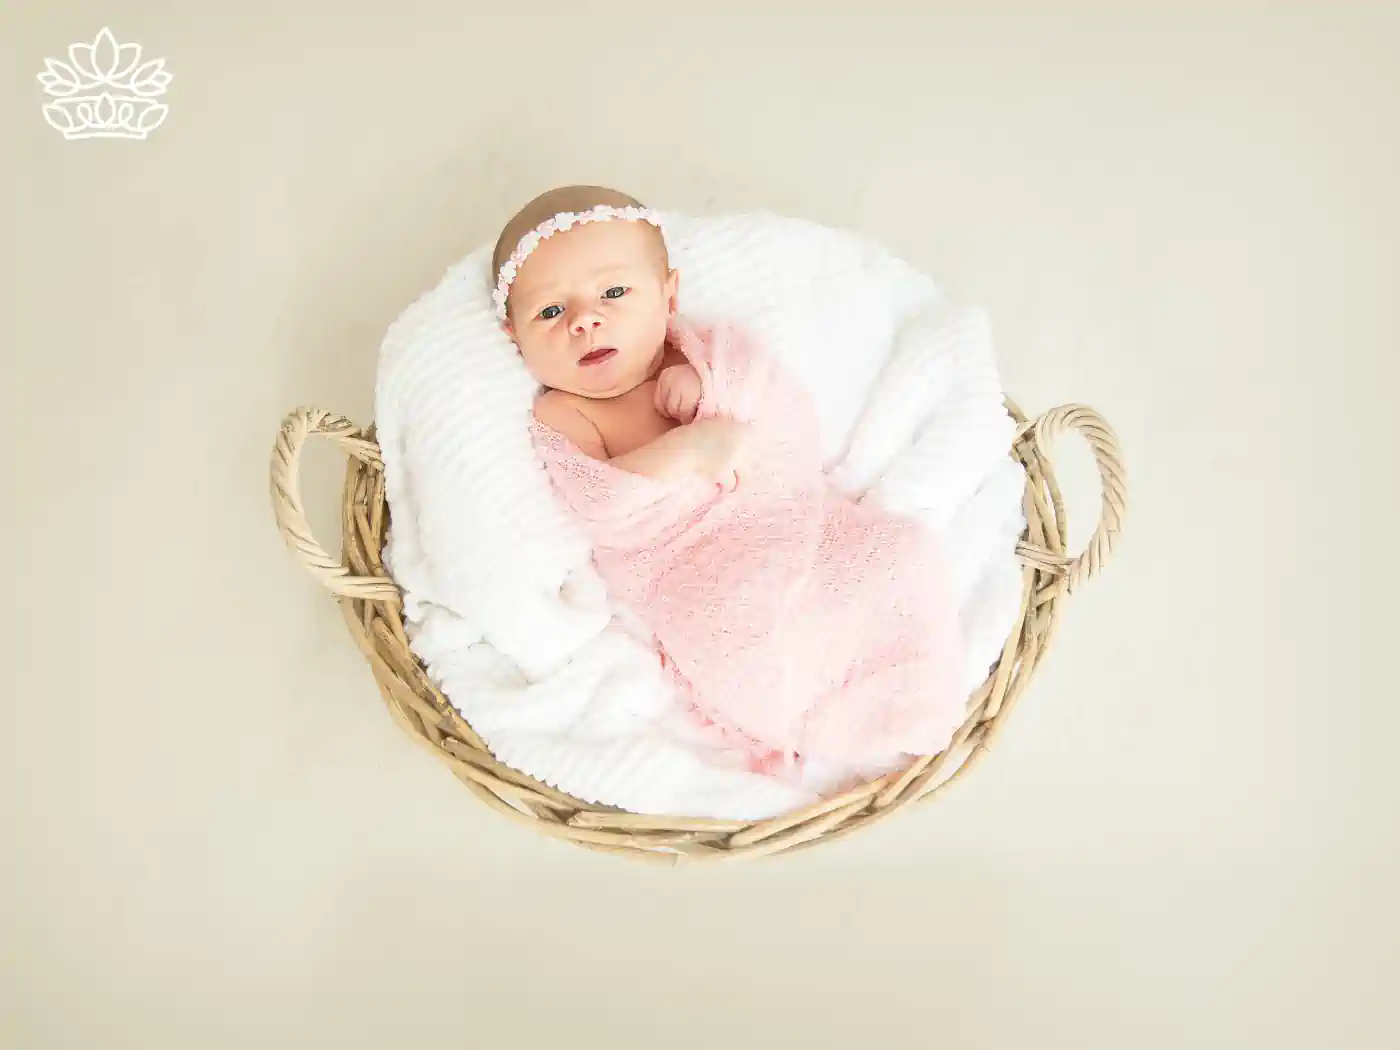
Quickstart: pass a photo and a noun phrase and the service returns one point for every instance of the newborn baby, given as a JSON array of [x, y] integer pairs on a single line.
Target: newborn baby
[[797, 624], [590, 316]]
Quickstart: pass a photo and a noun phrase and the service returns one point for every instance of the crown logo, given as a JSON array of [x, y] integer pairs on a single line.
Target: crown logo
[[104, 91]]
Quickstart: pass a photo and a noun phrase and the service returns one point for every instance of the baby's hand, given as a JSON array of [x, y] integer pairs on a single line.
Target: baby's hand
[[678, 393]]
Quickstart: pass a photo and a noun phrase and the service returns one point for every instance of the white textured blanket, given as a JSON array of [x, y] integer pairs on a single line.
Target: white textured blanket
[[503, 605]]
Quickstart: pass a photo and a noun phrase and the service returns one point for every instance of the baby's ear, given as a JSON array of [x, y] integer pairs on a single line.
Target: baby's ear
[[673, 286]]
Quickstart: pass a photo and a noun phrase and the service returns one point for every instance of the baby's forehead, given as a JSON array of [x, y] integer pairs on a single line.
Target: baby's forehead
[[592, 248], [616, 236]]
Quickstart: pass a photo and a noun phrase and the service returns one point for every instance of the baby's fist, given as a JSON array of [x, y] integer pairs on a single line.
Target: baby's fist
[[678, 393]]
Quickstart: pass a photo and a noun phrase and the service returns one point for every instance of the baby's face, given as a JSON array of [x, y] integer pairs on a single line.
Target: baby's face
[[590, 307]]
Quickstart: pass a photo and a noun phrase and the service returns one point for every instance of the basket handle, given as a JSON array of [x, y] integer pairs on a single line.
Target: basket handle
[[1112, 484], [298, 426]]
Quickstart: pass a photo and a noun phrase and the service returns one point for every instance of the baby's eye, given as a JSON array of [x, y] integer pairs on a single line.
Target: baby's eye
[[615, 292], [549, 313]]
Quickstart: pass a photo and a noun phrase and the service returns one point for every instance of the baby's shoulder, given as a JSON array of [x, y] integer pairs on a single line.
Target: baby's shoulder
[[571, 415]]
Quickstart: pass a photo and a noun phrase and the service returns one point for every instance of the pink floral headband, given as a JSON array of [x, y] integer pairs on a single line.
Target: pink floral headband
[[564, 220]]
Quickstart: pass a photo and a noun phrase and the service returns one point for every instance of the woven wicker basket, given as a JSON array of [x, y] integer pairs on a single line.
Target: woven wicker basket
[[370, 602]]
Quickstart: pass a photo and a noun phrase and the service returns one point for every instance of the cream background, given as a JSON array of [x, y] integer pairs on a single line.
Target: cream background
[[212, 835]]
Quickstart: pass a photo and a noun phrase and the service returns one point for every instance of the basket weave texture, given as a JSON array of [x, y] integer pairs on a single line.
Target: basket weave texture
[[372, 606]]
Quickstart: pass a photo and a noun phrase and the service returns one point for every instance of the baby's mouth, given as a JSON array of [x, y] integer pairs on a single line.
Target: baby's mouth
[[598, 356]]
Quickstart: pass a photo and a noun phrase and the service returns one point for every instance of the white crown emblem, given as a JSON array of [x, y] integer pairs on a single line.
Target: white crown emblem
[[105, 91]]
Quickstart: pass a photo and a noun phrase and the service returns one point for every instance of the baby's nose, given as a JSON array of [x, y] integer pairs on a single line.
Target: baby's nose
[[585, 321]]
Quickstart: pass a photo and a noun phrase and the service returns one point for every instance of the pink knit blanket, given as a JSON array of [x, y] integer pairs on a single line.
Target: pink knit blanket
[[798, 623]]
